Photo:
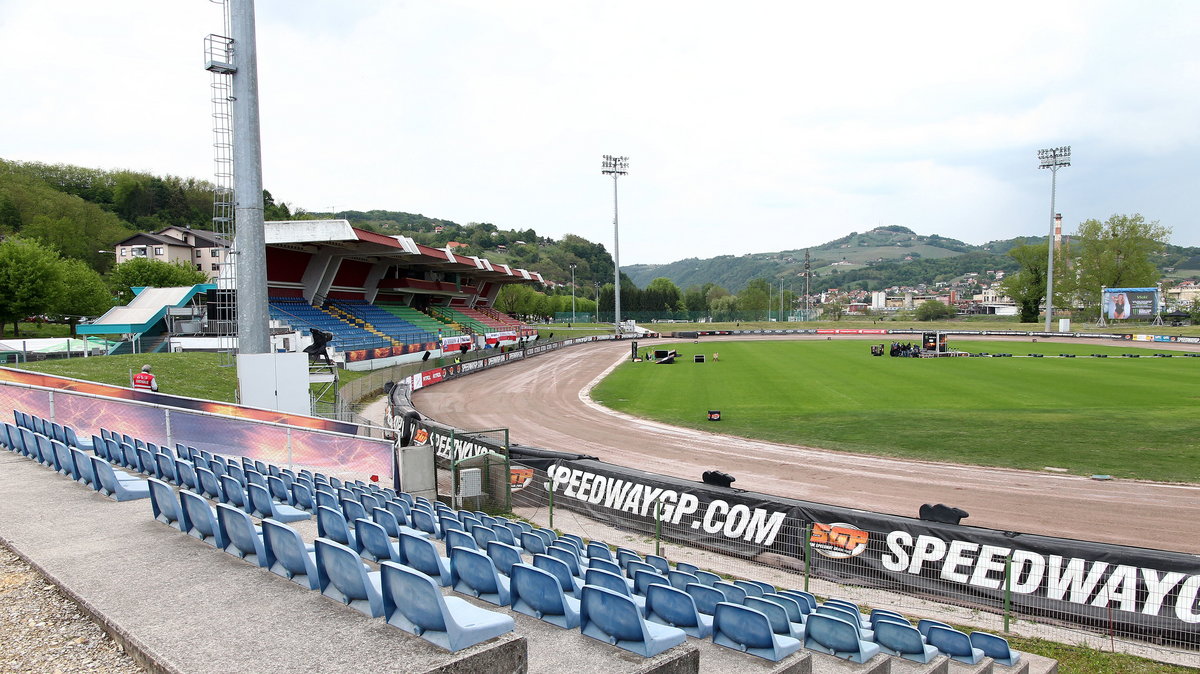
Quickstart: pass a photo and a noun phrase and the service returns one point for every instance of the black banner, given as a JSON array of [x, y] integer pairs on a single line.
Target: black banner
[[1149, 594]]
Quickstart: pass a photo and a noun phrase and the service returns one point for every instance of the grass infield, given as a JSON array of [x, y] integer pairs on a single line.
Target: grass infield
[[1125, 417]]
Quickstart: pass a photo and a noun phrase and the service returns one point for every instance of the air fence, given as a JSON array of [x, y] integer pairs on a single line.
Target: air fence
[[288, 441], [1110, 597]]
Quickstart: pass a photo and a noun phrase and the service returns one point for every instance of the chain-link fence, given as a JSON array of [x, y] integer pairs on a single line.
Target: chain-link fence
[[1147, 607]]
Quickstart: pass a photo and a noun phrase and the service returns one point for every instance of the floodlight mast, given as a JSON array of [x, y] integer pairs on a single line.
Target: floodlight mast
[[1053, 158], [615, 166]]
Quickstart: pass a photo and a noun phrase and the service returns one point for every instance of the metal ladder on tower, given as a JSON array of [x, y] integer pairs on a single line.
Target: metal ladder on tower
[[219, 61]]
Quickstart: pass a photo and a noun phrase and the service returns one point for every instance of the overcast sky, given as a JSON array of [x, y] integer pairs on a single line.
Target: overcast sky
[[750, 126]]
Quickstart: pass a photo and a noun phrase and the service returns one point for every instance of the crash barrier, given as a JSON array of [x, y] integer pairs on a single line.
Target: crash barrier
[[1122, 591], [222, 428], [694, 334]]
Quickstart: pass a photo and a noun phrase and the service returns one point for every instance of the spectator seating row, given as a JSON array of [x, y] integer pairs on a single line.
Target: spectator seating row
[[418, 318], [304, 317], [369, 315], [639, 603]]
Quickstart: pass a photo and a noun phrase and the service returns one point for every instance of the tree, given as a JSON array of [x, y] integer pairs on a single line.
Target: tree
[[932, 310], [1027, 287], [833, 309], [88, 294], [152, 273], [31, 280], [661, 295], [1116, 253]]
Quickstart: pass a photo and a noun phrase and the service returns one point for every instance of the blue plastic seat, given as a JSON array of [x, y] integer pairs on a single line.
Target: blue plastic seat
[[680, 579], [208, 484], [353, 510], [882, 618], [903, 640], [732, 592], [374, 543], [568, 557], [670, 606], [326, 498], [706, 597], [954, 644], [234, 492], [279, 490], [302, 497], [624, 555], [166, 506], [538, 593], [790, 605], [201, 519], [147, 462], [384, 518], [503, 556], [547, 535], [114, 488], [777, 615], [571, 585], [996, 648], [166, 468], [457, 539], [243, 539], [632, 566], [706, 577], [924, 624], [598, 550], [422, 555], [808, 601], [614, 582], [341, 576], [575, 539], [849, 616], [749, 631], [261, 505], [863, 621], [838, 637], [615, 619], [884, 614], [607, 565], [754, 588], [643, 579], [331, 525], [83, 467], [425, 521], [64, 460], [482, 535], [532, 543], [659, 562], [413, 603], [475, 575], [287, 555], [186, 471], [232, 469]]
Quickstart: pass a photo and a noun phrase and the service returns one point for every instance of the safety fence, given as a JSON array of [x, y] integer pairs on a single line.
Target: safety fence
[[210, 426], [989, 579]]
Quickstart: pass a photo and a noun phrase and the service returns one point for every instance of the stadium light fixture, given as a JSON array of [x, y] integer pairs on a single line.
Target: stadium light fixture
[[616, 167], [1053, 158]]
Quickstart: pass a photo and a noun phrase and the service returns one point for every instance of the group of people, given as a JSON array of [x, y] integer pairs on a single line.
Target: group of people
[[898, 350]]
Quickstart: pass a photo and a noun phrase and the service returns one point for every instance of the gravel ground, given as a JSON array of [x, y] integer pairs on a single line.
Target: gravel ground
[[43, 631]]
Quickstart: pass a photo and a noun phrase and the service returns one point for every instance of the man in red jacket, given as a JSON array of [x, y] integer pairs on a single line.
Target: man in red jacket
[[144, 380]]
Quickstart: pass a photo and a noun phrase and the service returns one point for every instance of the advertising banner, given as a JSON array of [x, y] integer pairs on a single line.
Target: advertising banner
[[1134, 591], [494, 338], [1126, 303]]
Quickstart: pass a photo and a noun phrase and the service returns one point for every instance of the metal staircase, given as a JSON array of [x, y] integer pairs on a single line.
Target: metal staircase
[[219, 61]]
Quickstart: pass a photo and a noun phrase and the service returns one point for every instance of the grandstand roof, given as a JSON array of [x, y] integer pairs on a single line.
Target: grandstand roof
[[361, 244]]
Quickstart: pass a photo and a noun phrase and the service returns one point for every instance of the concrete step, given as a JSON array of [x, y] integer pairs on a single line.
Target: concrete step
[[984, 666], [939, 665], [828, 664], [1035, 664]]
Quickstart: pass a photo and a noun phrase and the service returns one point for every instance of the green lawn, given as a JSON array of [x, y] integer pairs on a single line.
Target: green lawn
[[1133, 418]]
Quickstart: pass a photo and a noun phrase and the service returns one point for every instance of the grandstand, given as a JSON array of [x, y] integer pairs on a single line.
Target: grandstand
[[382, 296]]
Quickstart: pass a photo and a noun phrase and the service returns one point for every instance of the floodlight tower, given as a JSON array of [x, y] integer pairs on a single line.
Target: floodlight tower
[[1053, 159], [572, 294], [615, 166]]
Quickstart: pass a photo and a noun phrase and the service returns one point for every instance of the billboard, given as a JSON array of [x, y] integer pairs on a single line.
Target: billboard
[[1130, 303]]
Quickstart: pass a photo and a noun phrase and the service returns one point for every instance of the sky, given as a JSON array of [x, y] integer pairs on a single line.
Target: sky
[[749, 126]]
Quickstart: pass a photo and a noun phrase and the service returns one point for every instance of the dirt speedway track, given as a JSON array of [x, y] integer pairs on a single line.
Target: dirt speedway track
[[544, 403]]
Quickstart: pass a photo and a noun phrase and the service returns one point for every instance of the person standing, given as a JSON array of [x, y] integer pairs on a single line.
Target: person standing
[[145, 380]]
